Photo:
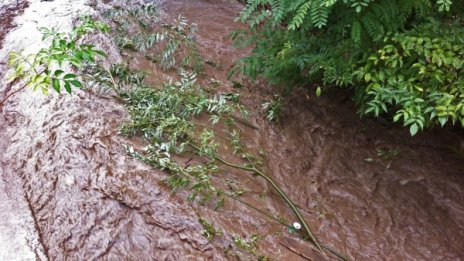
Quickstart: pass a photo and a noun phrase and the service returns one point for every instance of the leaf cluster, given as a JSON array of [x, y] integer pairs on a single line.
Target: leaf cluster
[[169, 119], [45, 68], [210, 232], [418, 77], [170, 44], [273, 108], [326, 42]]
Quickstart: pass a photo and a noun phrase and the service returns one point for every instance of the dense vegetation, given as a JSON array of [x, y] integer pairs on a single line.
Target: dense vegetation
[[403, 58]]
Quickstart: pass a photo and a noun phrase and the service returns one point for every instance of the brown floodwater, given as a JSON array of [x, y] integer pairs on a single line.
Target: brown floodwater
[[9, 9], [366, 188]]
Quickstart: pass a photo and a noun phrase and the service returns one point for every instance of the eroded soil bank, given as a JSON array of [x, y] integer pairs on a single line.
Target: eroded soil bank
[[367, 190]]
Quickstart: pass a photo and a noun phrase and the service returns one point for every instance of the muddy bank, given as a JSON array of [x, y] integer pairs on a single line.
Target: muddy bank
[[370, 191]]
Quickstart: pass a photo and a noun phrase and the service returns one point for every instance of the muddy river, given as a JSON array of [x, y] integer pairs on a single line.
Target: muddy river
[[69, 191]]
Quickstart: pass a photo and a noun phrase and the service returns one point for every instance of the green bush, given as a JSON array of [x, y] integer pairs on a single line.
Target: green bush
[[418, 76], [334, 42]]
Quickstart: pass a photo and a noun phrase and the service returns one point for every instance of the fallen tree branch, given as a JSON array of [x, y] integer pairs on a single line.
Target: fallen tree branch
[[282, 194]]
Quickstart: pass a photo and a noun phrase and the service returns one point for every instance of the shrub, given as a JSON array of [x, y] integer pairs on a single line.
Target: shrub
[[418, 76], [334, 42]]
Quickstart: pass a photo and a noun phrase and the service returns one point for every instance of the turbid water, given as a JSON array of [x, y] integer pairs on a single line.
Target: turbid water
[[70, 192]]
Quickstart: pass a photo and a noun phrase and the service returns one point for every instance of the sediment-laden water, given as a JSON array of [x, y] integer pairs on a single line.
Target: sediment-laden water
[[69, 191]]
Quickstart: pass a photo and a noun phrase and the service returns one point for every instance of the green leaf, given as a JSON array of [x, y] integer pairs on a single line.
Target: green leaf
[[381, 76], [56, 85], [367, 77], [421, 124], [71, 45], [43, 88], [318, 91], [413, 129], [58, 73], [442, 120], [384, 107], [87, 56], [76, 62], [75, 83], [69, 76], [67, 87], [101, 53]]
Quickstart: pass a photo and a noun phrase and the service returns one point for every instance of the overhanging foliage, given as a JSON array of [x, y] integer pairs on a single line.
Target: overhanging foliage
[[417, 44]]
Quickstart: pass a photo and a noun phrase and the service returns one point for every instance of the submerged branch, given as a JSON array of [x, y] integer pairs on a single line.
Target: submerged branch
[[282, 194], [280, 221]]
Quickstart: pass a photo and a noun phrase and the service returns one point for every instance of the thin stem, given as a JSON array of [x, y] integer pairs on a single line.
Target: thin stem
[[242, 150], [115, 88], [277, 188], [213, 129], [243, 121], [331, 250], [255, 208]]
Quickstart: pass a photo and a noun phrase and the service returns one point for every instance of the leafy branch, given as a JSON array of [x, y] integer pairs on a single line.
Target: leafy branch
[[403, 58], [169, 44], [45, 68], [167, 119]]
